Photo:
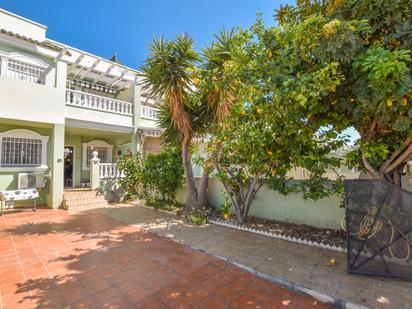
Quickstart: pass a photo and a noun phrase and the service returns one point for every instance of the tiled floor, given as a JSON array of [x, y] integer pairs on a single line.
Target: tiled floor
[[295, 263], [51, 259]]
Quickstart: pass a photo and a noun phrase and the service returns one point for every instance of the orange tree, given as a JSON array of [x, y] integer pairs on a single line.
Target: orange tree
[[325, 67], [370, 41], [268, 131], [255, 145]]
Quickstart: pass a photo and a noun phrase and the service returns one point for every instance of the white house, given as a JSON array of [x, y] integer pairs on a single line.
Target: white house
[[58, 104]]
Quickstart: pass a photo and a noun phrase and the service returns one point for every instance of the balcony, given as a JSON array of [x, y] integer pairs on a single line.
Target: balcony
[[22, 67], [149, 113], [31, 94], [93, 111], [148, 117], [98, 103], [22, 71]]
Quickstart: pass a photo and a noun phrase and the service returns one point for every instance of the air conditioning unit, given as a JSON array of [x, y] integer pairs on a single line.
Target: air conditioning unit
[[31, 180]]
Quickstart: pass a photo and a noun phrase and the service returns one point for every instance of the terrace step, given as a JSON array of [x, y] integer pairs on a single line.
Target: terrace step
[[77, 206], [79, 199], [76, 199]]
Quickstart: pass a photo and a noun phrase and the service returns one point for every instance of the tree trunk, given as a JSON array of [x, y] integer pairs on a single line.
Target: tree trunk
[[247, 203], [191, 198], [242, 218], [203, 201], [392, 169]]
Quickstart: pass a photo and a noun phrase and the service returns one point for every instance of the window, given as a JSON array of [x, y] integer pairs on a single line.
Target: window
[[20, 152], [103, 149], [152, 145], [25, 67], [22, 148], [24, 71], [102, 154]]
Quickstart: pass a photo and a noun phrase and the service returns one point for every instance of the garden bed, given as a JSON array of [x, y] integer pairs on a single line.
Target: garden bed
[[328, 238], [157, 204]]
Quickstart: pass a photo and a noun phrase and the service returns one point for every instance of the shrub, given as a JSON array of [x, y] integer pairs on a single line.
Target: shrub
[[199, 216], [157, 203], [225, 207], [157, 177], [132, 167], [163, 174]]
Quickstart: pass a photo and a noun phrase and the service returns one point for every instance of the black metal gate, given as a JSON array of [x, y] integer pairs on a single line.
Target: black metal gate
[[378, 227]]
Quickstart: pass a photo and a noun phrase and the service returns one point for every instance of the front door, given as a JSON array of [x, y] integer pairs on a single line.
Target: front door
[[69, 166]]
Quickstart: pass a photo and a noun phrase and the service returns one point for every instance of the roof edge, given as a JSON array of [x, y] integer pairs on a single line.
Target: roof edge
[[23, 18], [63, 45]]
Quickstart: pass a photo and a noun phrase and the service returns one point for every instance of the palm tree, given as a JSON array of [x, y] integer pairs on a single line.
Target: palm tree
[[221, 86], [167, 73], [190, 105]]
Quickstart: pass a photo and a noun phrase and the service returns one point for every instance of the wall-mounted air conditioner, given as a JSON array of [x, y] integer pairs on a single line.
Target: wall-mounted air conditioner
[[31, 180]]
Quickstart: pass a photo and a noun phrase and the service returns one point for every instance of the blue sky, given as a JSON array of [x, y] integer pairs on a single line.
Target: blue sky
[[125, 26]]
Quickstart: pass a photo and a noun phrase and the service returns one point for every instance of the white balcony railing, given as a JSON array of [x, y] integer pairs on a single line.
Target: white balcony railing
[[109, 171], [149, 113], [99, 103], [22, 71]]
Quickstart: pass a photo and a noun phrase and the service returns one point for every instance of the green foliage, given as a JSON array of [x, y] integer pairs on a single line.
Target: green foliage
[[366, 46], [283, 95], [199, 216], [370, 41], [255, 144], [224, 209], [376, 152], [162, 174], [157, 177], [272, 127], [168, 67], [168, 205], [218, 85], [132, 166], [381, 64], [199, 114], [170, 73]]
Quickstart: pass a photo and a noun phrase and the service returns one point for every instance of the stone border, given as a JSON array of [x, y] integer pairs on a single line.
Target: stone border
[[220, 222], [319, 296], [239, 227]]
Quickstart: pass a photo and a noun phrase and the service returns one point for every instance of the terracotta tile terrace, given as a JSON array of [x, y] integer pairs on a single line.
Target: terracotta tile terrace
[[53, 259]]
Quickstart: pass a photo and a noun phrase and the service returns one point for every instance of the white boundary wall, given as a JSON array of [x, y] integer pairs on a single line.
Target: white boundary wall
[[268, 204]]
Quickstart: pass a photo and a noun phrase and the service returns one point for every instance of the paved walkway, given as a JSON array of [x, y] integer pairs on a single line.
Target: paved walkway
[[51, 259], [299, 264]]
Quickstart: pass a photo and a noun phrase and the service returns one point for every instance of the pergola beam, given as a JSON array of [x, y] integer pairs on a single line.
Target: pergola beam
[[78, 60], [119, 79], [92, 67]]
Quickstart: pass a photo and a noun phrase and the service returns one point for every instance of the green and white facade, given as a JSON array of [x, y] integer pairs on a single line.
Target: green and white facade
[[59, 104]]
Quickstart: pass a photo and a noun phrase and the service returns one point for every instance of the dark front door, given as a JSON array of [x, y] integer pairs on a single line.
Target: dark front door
[[69, 166]]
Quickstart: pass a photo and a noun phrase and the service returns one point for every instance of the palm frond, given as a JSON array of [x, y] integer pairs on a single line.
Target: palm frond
[[200, 115], [222, 91], [167, 74]]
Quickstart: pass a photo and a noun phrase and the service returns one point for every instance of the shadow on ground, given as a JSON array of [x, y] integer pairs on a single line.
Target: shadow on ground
[[294, 263], [89, 260]]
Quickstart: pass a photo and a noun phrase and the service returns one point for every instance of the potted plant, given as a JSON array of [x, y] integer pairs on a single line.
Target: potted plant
[[83, 183]]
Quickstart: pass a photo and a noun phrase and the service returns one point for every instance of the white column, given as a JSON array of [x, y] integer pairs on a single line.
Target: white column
[[136, 118], [94, 171], [4, 62]]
